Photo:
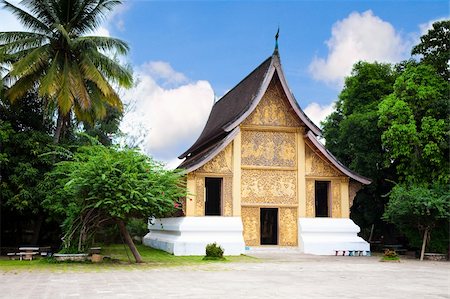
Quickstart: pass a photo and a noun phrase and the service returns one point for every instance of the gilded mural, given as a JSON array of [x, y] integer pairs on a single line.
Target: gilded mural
[[288, 226], [250, 221], [227, 196], [268, 186], [336, 199], [310, 200], [200, 196], [316, 166], [222, 163], [273, 109], [268, 149]]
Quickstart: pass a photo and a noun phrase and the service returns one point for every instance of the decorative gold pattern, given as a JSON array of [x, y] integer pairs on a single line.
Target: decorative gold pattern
[[250, 221], [288, 226], [200, 196], [227, 196], [268, 149], [316, 166], [268, 186], [310, 198], [222, 163], [273, 109], [336, 199], [353, 189]]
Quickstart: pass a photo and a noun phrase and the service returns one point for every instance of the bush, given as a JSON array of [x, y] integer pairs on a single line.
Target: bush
[[390, 255], [214, 252]]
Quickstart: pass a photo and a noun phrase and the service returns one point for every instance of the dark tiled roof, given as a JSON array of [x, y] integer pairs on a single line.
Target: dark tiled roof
[[229, 108]]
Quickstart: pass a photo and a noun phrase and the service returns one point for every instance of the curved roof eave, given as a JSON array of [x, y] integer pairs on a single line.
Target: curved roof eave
[[275, 65], [335, 161], [217, 148]]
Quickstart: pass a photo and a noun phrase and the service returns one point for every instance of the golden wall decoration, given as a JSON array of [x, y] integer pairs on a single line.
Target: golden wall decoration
[[222, 163], [268, 186], [227, 196], [353, 187], [200, 196], [310, 198], [316, 166], [250, 220], [268, 149], [273, 109], [336, 199], [288, 227]]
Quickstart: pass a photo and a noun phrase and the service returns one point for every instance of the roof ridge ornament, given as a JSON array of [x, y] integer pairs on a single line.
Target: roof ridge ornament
[[275, 52]]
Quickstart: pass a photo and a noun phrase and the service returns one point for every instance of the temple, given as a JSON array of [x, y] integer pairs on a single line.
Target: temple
[[259, 176]]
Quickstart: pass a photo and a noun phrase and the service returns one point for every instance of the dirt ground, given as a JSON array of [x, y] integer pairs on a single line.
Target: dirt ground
[[273, 275]]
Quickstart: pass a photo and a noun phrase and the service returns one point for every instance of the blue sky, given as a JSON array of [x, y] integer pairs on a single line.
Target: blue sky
[[186, 54]]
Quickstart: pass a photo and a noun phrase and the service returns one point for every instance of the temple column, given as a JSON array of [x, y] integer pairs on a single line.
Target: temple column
[[301, 175], [191, 195], [345, 199], [237, 175]]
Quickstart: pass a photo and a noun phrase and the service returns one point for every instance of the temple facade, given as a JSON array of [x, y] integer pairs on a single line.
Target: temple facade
[[258, 175]]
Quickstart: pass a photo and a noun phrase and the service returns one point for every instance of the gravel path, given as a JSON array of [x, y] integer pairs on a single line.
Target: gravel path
[[277, 275]]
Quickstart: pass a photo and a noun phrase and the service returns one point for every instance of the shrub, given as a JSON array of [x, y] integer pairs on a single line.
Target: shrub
[[214, 252], [390, 255]]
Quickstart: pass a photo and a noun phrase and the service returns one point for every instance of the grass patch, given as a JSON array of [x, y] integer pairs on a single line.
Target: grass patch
[[120, 259]]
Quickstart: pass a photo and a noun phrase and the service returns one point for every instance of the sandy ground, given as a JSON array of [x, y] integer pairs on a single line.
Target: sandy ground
[[276, 275]]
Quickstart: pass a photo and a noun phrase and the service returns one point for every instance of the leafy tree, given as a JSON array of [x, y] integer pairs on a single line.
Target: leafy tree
[[72, 71], [415, 124], [102, 184], [416, 127], [434, 47], [24, 139], [419, 207], [353, 137]]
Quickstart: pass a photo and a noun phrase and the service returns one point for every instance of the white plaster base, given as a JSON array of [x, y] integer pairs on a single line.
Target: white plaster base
[[322, 236], [190, 235]]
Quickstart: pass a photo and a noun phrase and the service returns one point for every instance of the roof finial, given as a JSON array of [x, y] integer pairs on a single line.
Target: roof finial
[[276, 40]]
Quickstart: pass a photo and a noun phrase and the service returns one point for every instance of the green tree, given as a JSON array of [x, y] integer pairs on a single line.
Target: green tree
[[419, 207], [434, 47], [353, 137], [24, 138], [102, 184], [415, 125], [72, 71]]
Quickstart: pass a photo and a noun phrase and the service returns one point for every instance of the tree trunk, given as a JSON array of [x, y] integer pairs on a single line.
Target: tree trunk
[[129, 241], [59, 126], [424, 243], [37, 230]]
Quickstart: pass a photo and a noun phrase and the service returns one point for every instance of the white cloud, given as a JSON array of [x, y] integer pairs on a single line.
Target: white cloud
[[161, 70], [424, 27], [360, 36], [167, 120], [317, 112]]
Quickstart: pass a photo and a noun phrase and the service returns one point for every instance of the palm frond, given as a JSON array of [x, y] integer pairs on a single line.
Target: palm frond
[[78, 87], [33, 61], [28, 20], [112, 70], [21, 86], [91, 19], [91, 73], [43, 10], [50, 83], [65, 97], [102, 43]]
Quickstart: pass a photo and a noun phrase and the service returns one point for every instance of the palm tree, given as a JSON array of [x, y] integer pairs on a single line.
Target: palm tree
[[73, 72]]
